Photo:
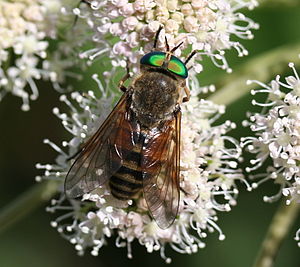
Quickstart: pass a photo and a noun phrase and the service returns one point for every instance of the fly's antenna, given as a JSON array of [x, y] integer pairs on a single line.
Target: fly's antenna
[[167, 45], [156, 36], [168, 53], [176, 47], [190, 56]]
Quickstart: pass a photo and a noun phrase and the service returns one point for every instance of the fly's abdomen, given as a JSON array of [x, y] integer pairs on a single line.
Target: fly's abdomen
[[128, 180]]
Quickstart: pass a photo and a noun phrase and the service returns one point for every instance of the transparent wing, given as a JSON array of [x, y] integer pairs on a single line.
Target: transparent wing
[[103, 153], [160, 165]]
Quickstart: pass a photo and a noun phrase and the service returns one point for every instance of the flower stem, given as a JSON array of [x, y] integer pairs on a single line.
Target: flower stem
[[263, 67], [26, 203], [278, 229]]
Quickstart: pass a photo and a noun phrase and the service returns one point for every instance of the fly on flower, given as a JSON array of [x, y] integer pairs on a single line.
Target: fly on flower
[[137, 148]]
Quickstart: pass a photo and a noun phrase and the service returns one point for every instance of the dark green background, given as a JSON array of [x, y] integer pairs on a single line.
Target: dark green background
[[33, 243]]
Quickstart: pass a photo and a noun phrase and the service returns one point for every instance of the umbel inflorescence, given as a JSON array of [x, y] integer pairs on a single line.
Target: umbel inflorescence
[[276, 138], [26, 28], [208, 181], [126, 28]]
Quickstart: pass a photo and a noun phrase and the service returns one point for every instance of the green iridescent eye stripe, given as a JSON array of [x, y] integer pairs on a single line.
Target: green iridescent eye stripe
[[154, 59], [178, 67], [157, 60]]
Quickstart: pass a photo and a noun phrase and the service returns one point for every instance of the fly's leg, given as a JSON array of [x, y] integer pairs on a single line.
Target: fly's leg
[[177, 109], [121, 83], [188, 94], [126, 77], [123, 80]]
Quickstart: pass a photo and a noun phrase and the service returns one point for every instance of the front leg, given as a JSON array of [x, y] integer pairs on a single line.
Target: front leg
[[188, 94], [123, 80], [177, 109]]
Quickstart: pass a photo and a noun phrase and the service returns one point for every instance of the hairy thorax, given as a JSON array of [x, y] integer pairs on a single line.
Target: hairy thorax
[[154, 98]]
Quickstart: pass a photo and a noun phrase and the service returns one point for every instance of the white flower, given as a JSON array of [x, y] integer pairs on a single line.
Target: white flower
[[205, 25], [277, 136], [25, 28], [208, 181]]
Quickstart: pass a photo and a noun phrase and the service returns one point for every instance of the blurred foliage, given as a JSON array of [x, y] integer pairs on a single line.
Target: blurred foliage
[[33, 243]]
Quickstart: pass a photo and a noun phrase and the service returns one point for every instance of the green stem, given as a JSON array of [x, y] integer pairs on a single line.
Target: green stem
[[278, 3], [278, 229], [263, 67], [26, 203]]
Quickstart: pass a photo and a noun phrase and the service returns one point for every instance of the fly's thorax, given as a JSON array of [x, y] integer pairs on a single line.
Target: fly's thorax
[[155, 95]]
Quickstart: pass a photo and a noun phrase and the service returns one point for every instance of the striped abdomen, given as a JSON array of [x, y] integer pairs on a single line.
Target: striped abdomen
[[128, 180]]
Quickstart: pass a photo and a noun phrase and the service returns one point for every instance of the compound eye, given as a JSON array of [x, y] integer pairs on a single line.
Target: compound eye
[[178, 67], [155, 59]]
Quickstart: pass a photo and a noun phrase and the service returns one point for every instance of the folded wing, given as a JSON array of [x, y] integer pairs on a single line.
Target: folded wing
[[104, 152], [160, 164]]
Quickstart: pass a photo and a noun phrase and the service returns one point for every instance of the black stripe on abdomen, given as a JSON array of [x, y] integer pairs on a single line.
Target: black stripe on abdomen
[[127, 181]]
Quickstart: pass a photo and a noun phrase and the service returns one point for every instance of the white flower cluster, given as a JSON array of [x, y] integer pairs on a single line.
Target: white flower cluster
[[25, 26], [203, 25], [277, 136], [208, 181]]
